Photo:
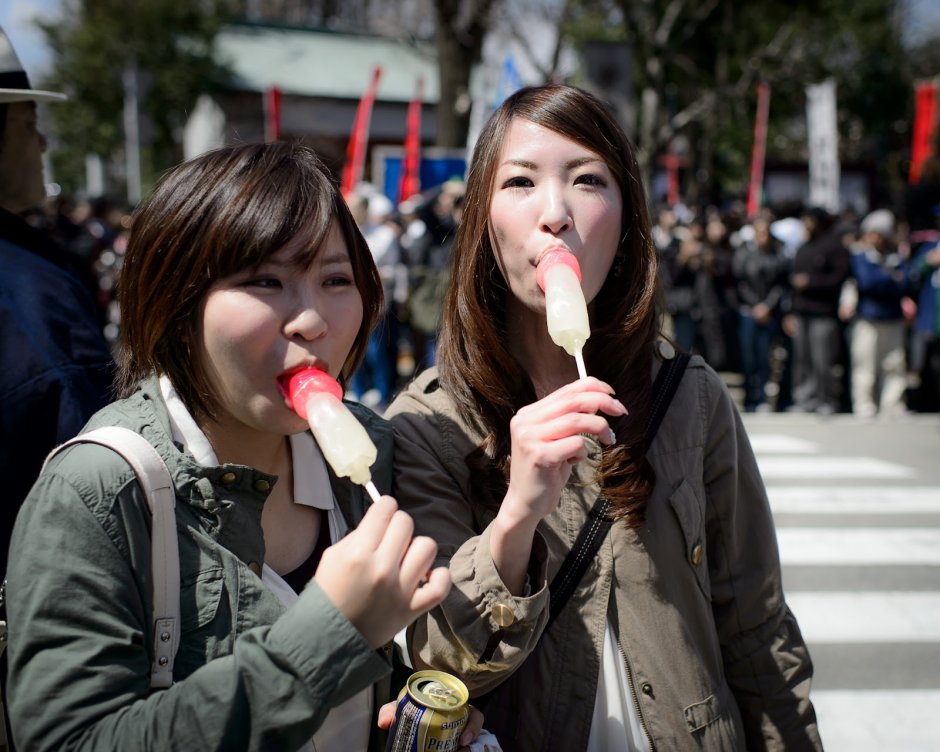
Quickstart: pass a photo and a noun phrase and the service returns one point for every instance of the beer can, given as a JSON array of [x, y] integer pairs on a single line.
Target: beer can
[[431, 714]]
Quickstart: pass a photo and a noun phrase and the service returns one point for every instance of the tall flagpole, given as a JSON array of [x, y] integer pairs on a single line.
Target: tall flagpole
[[925, 121], [755, 188], [272, 115], [131, 133], [359, 138], [411, 161]]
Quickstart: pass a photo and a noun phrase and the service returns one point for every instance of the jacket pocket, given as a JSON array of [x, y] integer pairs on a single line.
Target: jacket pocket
[[691, 516], [201, 633]]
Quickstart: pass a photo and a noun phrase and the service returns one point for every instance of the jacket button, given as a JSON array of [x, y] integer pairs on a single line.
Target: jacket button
[[647, 689], [262, 485], [227, 478], [503, 615], [255, 567], [698, 551], [666, 351]]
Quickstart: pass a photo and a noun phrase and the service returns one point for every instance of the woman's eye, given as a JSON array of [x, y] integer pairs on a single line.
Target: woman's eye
[[271, 283], [517, 182], [339, 280], [590, 179]]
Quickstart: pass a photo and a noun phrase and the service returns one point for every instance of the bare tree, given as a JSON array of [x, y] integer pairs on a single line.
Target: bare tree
[[461, 28]]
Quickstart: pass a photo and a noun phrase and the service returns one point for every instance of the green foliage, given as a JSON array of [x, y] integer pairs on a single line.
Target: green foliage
[[94, 42]]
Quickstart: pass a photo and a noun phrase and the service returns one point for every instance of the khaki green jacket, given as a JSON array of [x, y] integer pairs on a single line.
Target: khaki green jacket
[[715, 658], [249, 675]]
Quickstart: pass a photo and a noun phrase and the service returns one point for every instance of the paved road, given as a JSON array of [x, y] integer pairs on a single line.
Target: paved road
[[857, 507]]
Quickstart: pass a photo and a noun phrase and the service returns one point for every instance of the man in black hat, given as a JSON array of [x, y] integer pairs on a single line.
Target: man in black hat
[[57, 366]]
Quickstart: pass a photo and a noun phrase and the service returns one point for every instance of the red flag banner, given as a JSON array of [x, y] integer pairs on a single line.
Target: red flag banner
[[925, 122], [411, 162], [359, 138], [755, 187], [272, 115]]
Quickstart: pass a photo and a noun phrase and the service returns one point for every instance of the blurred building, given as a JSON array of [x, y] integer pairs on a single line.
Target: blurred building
[[321, 76]]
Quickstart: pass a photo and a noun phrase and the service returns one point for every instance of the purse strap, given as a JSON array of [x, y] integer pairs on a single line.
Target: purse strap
[[598, 522], [157, 485]]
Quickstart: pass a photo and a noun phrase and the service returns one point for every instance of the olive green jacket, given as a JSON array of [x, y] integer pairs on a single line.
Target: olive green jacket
[[694, 597], [249, 675]]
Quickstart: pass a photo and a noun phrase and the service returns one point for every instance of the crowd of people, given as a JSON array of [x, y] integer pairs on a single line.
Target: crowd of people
[[816, 312]]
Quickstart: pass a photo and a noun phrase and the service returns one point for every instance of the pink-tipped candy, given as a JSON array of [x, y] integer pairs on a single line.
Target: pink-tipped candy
[[553, 258], [308, 382]]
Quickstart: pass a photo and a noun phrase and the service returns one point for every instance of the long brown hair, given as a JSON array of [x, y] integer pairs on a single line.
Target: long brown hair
[[476, 367], [218, 214]]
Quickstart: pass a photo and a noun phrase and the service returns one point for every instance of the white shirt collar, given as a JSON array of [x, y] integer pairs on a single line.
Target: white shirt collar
[[311, 480]]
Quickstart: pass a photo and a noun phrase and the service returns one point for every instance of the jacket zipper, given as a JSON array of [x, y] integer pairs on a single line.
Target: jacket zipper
[[636, 702]]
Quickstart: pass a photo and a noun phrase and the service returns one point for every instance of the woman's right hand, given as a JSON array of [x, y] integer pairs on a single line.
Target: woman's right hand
[[379, 577], [546, 441]]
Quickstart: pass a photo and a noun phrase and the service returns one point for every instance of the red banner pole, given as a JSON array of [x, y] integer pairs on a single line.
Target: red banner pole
[[411, 162], [755, 187], [925, 120], [359, 138], [272, 115]]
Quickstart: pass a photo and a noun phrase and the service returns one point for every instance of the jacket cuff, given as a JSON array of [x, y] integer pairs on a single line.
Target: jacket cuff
[[329, 655], [499, 607]]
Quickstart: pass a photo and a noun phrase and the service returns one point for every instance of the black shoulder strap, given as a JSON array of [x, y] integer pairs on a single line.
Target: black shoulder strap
[[598, 523]]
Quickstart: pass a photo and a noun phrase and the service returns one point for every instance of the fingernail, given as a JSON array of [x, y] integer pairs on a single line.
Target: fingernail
[[622, 406], [612, 437]]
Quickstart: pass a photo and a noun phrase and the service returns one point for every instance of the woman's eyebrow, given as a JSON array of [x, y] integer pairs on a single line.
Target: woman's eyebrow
[[571, 165], [581, 161], [336, 257], [520, 163]]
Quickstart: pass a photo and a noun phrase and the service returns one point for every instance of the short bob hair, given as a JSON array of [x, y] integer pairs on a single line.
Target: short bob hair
[[475, 363], [213, 216]]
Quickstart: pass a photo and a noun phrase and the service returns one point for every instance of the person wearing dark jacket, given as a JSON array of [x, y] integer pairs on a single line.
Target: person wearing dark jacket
[[819, 268], [760, 270], [57, 366]]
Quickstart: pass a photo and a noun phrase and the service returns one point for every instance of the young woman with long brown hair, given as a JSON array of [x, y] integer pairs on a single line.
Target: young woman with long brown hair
[[678, 637]]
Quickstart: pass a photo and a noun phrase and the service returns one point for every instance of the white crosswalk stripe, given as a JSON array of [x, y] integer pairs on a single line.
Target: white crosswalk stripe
[[863, 549]]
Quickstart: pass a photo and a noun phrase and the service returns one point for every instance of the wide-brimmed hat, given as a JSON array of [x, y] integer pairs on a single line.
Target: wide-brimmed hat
[[14, 85]]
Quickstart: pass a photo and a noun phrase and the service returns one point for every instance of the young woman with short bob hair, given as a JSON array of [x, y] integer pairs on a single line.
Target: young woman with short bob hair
[[242, 267], [678, 636]]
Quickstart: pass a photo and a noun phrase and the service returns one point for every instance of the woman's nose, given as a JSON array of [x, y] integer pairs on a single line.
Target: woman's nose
[[555, 217], [305, 322]]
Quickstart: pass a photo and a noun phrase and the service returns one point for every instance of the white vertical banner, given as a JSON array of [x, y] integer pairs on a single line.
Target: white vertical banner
[[823, 139]]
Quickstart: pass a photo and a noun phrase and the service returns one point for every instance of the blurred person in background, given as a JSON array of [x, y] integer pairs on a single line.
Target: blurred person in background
[[679, 266], [877, 334], [760, 270], [719, 296], [429, 270], [57, 366], [374, 381], [820, 267], [925, 342]]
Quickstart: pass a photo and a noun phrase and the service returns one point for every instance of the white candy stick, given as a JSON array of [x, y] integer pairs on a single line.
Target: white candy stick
[[579, 359]]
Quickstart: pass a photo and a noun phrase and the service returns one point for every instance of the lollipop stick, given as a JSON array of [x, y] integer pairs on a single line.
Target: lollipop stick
[[373, 491], [579, 358]]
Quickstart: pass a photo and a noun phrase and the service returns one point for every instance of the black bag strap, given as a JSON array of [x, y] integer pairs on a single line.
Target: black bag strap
[[598, 523]]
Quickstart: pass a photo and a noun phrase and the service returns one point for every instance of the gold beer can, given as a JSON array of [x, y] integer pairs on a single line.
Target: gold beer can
[[432, 712]]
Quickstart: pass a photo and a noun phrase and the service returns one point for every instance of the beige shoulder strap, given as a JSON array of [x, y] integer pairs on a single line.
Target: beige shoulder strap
[[157, 485]]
